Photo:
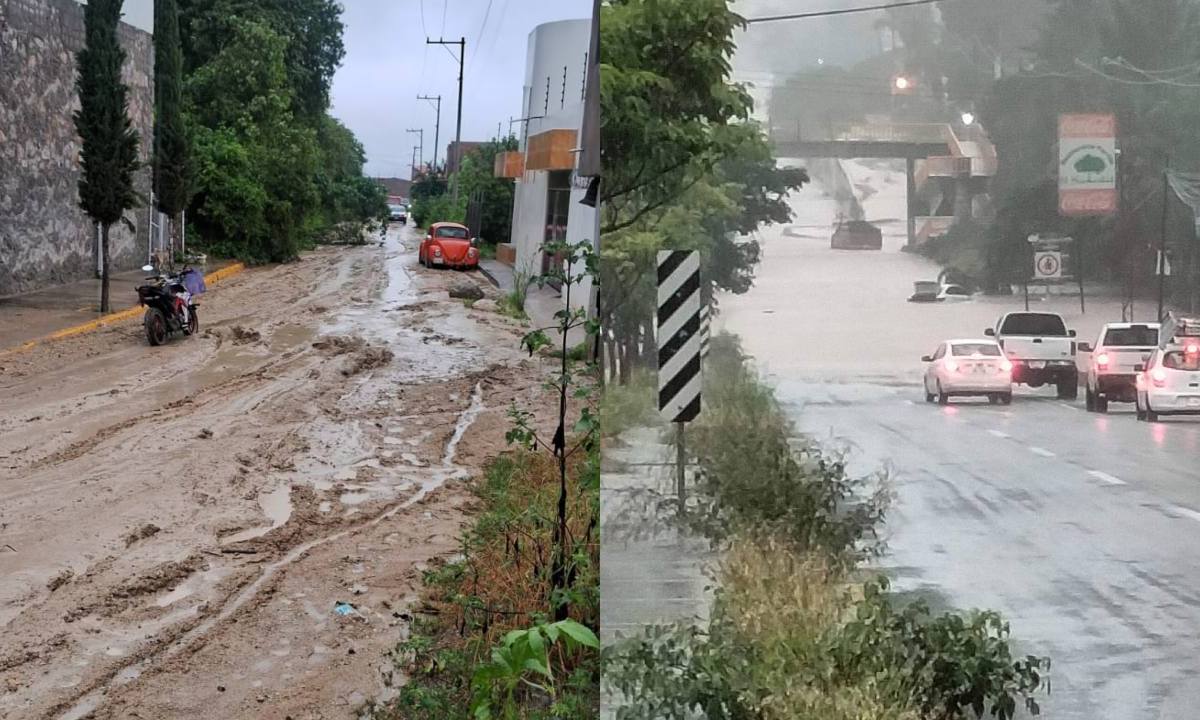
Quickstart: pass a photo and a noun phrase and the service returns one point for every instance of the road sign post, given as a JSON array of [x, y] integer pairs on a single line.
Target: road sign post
[[679, 345]]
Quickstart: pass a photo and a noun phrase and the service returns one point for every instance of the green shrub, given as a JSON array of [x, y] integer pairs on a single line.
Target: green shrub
[[439, 208], [753, 477]]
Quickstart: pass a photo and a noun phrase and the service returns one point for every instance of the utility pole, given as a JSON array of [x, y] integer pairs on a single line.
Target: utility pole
[[421, 143], [437, 125], [462, 54], [412, 173], [1161, 264]]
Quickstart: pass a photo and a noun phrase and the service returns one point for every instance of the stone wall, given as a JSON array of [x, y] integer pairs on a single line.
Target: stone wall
[[45, 239]]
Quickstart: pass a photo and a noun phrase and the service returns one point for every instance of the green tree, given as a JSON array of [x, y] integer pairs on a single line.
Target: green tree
[[109, 143], [312, 30], [171, 142], [256, 165], [665, 99], [477, 176]]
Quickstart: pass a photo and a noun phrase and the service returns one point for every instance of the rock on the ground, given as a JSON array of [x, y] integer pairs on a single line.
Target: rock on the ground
[[487, 305], [466, 291]]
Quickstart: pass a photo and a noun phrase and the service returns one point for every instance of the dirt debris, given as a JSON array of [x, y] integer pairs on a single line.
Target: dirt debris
[[340, 344], [141, 533], [367, 358], [243, 335], [62, 578]]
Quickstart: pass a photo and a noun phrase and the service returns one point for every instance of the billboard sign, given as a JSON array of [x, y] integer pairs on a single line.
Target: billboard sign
[[1087, 164]]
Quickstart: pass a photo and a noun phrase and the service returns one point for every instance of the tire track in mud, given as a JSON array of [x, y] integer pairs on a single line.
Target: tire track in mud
[[192, 638]]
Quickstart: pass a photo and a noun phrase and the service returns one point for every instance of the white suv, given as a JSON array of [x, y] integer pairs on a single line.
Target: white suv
[[1112, 370]]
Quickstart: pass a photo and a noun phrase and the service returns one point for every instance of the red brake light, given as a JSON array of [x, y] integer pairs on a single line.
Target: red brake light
[[1192, 349], [952, 366], [1102, 360], [1159, 376], [1005, 365]]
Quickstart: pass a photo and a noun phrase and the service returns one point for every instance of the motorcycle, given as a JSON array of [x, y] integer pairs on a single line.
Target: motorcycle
[[169, 303]]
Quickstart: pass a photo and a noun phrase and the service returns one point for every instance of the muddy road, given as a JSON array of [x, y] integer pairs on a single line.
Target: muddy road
[[178, 524]]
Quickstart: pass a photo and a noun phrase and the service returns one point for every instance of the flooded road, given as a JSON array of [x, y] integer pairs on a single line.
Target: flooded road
[[1080, 528], [177, 524]]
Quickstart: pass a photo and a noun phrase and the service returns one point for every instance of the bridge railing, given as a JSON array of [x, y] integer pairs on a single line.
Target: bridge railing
[[922, 133]]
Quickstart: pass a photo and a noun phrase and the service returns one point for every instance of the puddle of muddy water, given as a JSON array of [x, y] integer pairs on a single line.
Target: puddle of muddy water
[[276, 506], [291, 336]]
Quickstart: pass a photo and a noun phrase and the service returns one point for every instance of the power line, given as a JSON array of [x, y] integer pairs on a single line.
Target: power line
[[445, 6], [479, 41], [846, 11]]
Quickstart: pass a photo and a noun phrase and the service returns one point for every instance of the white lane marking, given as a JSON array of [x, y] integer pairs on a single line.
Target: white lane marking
[[1185, 512], [1069, 406], [1106, 478], [1041, 451], [998, 433]]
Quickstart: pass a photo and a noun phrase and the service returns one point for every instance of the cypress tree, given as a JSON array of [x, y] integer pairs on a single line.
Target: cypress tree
[[109, 142], [171, 148]]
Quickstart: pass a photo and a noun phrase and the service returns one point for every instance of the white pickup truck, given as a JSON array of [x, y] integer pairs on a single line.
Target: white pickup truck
[[1041, 349]]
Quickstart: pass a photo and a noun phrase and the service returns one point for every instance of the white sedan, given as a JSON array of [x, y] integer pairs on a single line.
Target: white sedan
[[968, 367]]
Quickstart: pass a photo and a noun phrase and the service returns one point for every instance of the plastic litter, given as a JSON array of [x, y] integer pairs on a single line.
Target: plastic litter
[[344, 609]]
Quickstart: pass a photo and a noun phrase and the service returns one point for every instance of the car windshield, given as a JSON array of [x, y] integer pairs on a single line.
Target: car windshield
[[452, 232], [1136, 336], [969, 349], [1182, 361], [1033, 324]]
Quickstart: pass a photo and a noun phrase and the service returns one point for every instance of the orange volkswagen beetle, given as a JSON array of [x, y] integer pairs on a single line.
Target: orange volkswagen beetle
[[449, 245]]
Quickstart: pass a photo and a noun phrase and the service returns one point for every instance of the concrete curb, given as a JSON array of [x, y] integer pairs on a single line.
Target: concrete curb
[[112, 318], [488, 274]]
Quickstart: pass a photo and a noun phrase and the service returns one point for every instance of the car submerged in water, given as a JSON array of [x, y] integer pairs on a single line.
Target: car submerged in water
[[856, 235]]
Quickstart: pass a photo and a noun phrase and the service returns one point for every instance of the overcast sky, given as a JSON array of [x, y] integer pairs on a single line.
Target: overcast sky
[[387, 65]]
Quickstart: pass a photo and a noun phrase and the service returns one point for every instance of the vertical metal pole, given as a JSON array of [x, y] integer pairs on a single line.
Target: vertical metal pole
[[1026, 296], [1161, 264], [680, 466], [150, 231], [1079, 273]]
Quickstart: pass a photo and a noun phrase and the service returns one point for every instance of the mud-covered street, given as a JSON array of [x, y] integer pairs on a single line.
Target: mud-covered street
[[178, 524]]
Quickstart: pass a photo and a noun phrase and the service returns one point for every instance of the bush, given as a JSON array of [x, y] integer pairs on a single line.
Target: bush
[[753, 478], [439, 208], [634, 404], [792, 638]]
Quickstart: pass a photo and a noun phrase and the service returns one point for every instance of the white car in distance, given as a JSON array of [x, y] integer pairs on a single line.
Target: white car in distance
[[1169, 383], [961, 368]]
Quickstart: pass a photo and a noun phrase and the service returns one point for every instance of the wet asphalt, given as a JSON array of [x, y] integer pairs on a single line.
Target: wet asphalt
[[1082, 529]]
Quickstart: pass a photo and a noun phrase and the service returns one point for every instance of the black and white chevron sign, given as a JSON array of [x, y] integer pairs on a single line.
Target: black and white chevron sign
[[679, 335], [705, 332]]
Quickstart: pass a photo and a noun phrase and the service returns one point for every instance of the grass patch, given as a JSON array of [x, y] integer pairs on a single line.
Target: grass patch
[[487, 251], [513, 307], [499, 588], [634, 404]]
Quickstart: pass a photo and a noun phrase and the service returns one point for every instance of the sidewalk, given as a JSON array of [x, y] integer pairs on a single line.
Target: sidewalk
[[540, 303], [27, 317], [645, 581]]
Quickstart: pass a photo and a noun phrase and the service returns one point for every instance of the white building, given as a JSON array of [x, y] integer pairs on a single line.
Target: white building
[[546, 200]]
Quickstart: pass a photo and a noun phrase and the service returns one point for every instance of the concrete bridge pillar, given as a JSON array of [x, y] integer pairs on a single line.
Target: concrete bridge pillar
[[910, 174]]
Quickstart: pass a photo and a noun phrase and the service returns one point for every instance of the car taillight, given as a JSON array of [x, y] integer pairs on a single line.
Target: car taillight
[[1102, 361], [1159, 376], [1192, 349], [951, 366], [1005, 365]]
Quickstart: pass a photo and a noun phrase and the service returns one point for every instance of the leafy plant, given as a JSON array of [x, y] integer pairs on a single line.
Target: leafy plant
[[565, 383], [524, 659]]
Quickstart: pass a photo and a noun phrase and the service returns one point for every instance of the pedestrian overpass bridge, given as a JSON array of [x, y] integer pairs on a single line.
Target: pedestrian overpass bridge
[[946, 166]]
